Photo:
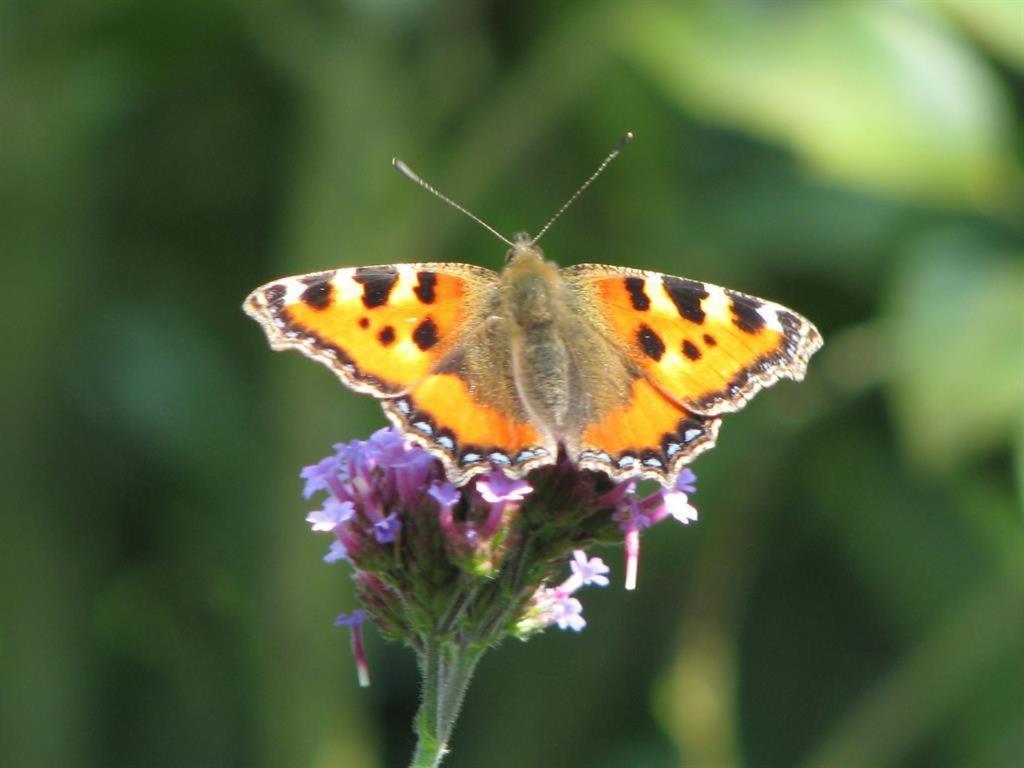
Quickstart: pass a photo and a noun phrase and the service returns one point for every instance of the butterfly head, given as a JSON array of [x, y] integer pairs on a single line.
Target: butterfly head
[[523, 249]]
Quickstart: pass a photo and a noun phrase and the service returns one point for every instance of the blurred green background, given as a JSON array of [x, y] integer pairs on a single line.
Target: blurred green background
[[854, 592]]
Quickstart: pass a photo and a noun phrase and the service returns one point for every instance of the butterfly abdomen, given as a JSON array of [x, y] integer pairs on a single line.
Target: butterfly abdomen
[[534, 306]]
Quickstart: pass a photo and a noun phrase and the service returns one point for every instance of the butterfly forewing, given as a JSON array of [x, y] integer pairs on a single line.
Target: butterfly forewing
[[708, 348], [381, 329]]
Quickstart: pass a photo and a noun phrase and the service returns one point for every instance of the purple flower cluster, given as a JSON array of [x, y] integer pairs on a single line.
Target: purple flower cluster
[[633, 515], [556, 605], [431, 558], [369, 483], [352, 476]]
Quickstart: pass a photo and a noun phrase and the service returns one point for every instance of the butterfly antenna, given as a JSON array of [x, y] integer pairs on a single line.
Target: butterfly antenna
[[406, 171], [628, 137]]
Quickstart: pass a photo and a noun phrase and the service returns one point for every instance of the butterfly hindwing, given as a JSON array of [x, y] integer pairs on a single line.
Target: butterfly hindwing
[[707, 348], [648, 435], [446, 415], [380, 329]]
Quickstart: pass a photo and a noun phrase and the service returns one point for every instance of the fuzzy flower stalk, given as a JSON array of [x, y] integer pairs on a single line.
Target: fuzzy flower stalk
[[452, 571]]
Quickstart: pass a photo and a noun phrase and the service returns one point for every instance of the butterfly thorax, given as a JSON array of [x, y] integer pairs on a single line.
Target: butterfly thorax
[[531, 287]]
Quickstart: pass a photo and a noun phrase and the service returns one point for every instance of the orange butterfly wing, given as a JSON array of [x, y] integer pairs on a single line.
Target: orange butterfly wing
[[649, 435], [380, 329], [707, 348], [469, 436], [397, 332], [697, 351]]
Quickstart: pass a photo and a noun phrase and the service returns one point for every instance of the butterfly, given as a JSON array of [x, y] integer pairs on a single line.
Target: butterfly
[[629, 372]]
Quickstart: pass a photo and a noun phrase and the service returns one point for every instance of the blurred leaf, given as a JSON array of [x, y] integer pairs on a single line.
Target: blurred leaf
[[881, 95], [999, 23], [888, 722], [1019, 456], [872, 512], [956, 324]]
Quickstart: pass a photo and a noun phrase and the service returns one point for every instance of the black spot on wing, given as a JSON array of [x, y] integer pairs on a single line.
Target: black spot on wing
[[791, 324], [426, 282], [425, 335], [650, 342], [709, 340], [640, 300], [377, 283], [364, 322], [797, 332], [275, 294], [688, 429], [690, 350], [318, 295], [386, 335], [687, 295], [744, 313], [339, 361], [676, 446]]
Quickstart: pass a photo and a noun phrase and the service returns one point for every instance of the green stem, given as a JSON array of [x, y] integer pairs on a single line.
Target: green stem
[[428, 752], [449, 657], [446, 668]]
